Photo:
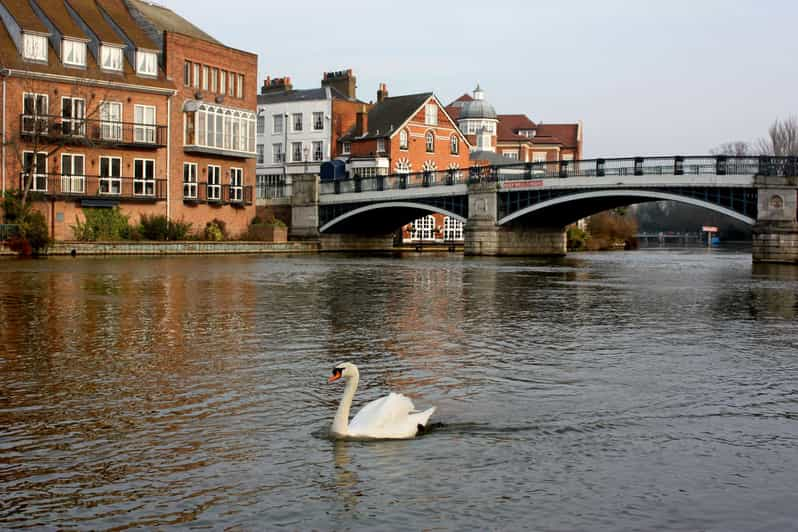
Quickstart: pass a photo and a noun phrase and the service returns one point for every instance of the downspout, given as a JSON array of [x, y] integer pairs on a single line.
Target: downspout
[[168, 156], [4, 73]]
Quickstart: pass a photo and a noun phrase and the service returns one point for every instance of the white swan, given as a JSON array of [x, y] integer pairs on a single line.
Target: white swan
[[391, 417]]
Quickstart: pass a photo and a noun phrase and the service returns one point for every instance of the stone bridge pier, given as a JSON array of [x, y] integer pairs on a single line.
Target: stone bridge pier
[[775, 237], [483, 236]]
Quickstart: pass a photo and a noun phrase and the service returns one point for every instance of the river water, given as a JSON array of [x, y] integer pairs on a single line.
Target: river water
[[655, 389]]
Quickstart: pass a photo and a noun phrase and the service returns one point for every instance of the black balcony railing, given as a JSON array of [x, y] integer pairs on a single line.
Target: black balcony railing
[[92, 186], [217, 194], [88, 131], [627, 166]]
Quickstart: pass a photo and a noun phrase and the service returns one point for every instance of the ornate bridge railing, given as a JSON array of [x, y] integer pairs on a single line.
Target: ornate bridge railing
[[720, 165]]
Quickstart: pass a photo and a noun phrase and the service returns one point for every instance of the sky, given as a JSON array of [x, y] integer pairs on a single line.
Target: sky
[[645, 77]]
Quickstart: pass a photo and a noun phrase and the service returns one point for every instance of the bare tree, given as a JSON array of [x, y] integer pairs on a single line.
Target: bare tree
[[736, 148], [782, 139]]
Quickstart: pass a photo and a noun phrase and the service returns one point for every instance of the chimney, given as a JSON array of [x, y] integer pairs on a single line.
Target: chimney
[[273, 86], [342, 80], [382, 93], [362, 122]]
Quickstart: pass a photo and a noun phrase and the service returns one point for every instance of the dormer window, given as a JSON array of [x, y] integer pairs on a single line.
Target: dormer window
[[111, 58], [34, 47], [73, 53], [147, 63]]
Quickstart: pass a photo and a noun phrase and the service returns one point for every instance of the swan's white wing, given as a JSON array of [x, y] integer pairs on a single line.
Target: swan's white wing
[[387, 417]]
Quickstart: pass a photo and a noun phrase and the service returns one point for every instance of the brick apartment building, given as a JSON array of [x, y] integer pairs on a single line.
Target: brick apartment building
[[109, 103]]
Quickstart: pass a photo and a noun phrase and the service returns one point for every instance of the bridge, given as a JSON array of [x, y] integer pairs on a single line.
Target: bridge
[[524, 208]]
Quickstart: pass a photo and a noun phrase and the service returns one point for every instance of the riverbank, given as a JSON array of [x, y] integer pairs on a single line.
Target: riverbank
[[175, 248]]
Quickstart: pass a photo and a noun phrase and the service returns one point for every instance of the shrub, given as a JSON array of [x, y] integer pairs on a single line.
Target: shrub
[[577, 239], [34, 229], [102, 224], [215, 230], [154, 227], [179, 230], [33, 235]]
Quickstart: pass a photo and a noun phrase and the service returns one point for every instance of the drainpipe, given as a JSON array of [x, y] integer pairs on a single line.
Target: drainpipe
[[4, 73], [168, 156]]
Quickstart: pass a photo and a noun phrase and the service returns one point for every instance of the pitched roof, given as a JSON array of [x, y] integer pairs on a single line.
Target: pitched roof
[[388, 115], [58, 15], [568, 134], [510, 124], [490, 157], [118, 11], [88, 11], [454, 112], [462, 100], [167, 20], [24, 15], [302, 95]]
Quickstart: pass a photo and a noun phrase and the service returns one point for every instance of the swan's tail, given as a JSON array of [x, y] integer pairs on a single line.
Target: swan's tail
[[422, 418]]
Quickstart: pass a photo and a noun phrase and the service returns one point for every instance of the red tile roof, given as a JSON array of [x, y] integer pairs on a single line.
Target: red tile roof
[[121, 16], [454, 112], [510, 124], [56, 12], [568, 134], [24, 15], [90, 13]]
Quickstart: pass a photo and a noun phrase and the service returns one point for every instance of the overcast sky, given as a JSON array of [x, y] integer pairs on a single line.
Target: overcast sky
[[646, 77]]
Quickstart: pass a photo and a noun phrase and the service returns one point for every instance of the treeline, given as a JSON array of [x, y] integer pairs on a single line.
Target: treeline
[[615, 229]]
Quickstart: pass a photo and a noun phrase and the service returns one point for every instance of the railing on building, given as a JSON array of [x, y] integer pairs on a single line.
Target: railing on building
[[93, 186], [272, 189], [627, 166], [83, 131], [213, 194]]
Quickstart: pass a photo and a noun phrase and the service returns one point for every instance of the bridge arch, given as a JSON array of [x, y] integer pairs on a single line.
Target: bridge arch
[[634, 194], [406, 206]]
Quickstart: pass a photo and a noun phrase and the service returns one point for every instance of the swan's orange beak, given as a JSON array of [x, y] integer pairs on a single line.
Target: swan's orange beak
[[334, 378]]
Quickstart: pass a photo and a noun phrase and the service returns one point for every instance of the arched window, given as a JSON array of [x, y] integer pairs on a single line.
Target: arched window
[[455, 145], [452, 229], [423, 228], [403, 166], [403, 139], [430, 136]]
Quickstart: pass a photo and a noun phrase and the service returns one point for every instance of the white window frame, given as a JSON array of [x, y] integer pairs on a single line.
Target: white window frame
[[296, 157], [39, 181], [214, 182], [74, 126], [318, 150], [423, 228], [429, 141], [236, 185], [144, 185], [295, 122], [146, 63], [206, 74], [380, 145], [222, 79], [189, 180], [346, 148], [278, 123], [34, 47], [112, 62], [111, 184], [261, 124], [318, 120], [72, 181], [454, 145], [431, 114], [214, 79], [110, 127], [187, 73], [452, 228], [240, 86], [278, 154], [32, 118], [539, 156], [404, 140], [144, 127], [78, 51], [261, 154]]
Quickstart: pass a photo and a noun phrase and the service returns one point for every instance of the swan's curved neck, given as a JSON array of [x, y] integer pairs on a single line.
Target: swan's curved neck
[[341, 421]]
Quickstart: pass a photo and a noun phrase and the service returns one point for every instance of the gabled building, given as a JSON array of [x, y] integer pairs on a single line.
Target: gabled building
[[403, 135], [94, 117]]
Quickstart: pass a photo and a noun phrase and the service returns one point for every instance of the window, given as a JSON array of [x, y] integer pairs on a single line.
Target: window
[[143, 177], [423, 228], [403, 139], [511, 154], [73, 53], [187, 73], [110, 175], [111, 58], [236, 185], [144, 128], [34, 168], [240, 86], [539, 157], [111, 121], [231, 84], [190, 180], [403, 166], [318, 121], [34, 47], [297, 121], [73, 113], [73, 178], [346, 147], [380, 145], [261, 150], [318, 150], [223, 128], [277, 123], [206, 73], [196, 76], [222, 78], [296, 152], [452, 229], [214, 80], [147, 63], [431, 114], [35, 109], [430, 138], [261, 124], [455, 145], [271, 186], [214, 183], [277, 153]]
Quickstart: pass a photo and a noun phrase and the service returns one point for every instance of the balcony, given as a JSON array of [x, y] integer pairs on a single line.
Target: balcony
[[91, 132], [95, 190], [196, 193]]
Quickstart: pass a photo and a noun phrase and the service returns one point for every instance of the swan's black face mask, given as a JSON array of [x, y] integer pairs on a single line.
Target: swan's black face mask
[[336, 374]]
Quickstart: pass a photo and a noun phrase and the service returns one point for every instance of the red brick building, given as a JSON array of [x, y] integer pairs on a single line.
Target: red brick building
[[97, 113]]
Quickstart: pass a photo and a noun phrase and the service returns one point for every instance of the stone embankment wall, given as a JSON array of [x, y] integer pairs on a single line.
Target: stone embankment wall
[[176, 248]]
